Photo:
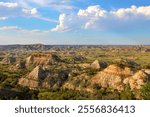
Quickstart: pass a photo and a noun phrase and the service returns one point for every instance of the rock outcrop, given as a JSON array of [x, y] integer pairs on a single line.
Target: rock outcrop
[[80, 82], [41, 78], [79, 58], [33, 79], [147, 71], [97, 65], [55, 80], [20, 65], [41, 59], [8, 60], [84, 65], [114, 77], [137, 80]]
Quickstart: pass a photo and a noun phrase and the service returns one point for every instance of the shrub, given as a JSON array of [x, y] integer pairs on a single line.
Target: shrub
[[2, 77], [145, 91], [127, 94], [96, 86]]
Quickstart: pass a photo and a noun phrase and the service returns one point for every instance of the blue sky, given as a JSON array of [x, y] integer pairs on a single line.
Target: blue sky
[[75, 22]]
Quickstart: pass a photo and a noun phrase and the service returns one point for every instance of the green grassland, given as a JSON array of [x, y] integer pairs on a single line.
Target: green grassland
[[9, 88]]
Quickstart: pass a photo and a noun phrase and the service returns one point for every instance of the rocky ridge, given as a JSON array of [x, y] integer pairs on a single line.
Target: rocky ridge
[[41, 59], [114, 77], [33, 79], [40, 77]]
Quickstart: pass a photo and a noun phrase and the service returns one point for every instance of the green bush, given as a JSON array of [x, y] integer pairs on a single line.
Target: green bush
[[63, 94], [76, 82], [2, 77], [127, 94], [111, 96], [128, 63], [145, 91], [96, 86]]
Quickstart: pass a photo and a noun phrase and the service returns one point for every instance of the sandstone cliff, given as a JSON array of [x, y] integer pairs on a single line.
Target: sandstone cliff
[[8, 60], [137, 80], [114, 77], [33, 79], [41, 78], [97, 65], [41, 59]]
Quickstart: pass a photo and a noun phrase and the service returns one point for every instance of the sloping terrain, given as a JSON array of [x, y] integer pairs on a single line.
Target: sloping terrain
[[83, 72]]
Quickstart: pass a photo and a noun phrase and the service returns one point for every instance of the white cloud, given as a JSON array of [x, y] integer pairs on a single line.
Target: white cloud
[[22, 30], [95, 11], [58, 5], [20, 9], [30, 11], [8, 4], [9, 28], [67, 23], [132, 12], [8, 9], [3, 18], [101, 19], [34, 11], [62, 24], [47, 19], [16, 28], [92, 17], [49, 2]]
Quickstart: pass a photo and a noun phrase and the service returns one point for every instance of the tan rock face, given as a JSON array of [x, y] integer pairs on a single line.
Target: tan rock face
[[77, 83], [95, 65], [37, 73], [116, 70], [115, 77], [34, 79], [137, 80], [147, 71], [8, 60], [41, 59], [84, 65], [41, 78]]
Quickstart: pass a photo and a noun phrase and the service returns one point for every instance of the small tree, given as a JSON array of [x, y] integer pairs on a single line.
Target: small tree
[[145, 91], [127, 94]]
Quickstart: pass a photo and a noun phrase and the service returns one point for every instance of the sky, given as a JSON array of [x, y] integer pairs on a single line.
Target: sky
[[89, 22]]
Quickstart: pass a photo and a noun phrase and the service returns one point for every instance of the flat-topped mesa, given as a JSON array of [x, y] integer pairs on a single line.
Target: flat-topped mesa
[[34, 78], [41, 59]]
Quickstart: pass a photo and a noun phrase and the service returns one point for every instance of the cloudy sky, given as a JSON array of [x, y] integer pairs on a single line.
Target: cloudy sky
[[75, 22]]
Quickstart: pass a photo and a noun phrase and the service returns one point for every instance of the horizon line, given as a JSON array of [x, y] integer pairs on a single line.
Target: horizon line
[[78, 44]]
